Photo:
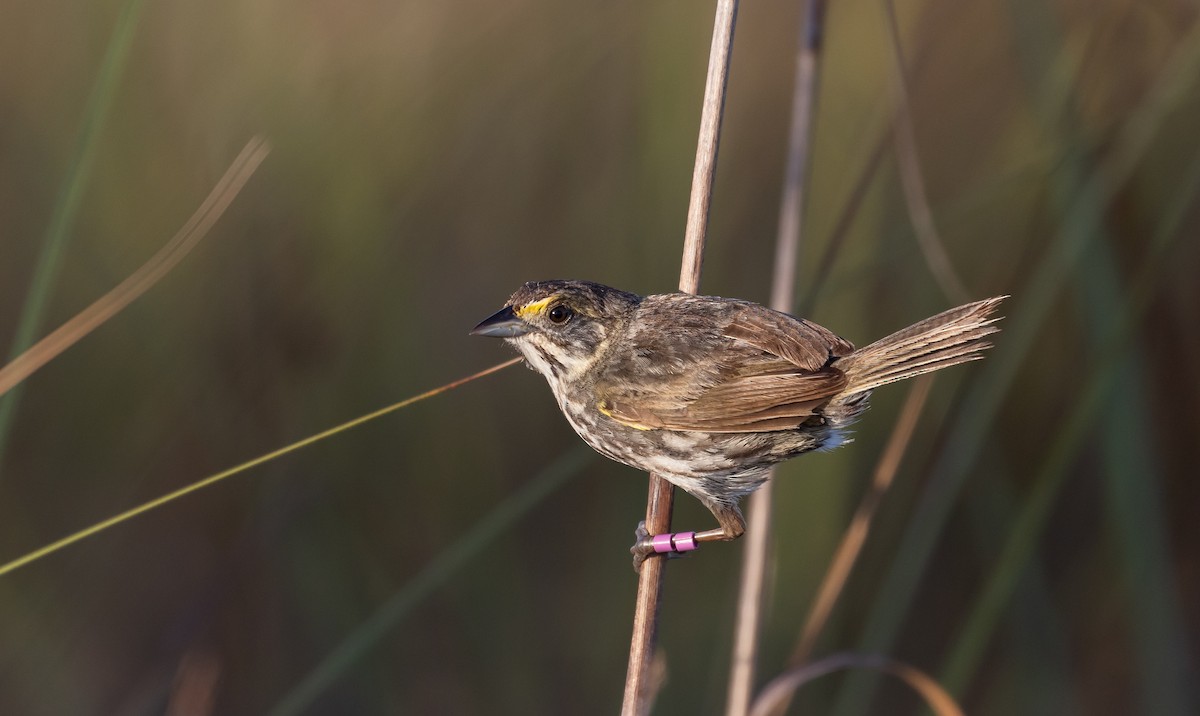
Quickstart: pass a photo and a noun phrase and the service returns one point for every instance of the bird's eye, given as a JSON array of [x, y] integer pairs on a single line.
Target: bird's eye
[[559, 314]]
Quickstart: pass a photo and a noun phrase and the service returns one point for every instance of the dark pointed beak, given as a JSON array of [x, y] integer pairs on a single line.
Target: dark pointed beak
[[501, 324]]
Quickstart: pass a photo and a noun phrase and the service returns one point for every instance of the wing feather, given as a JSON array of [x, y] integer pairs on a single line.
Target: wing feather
[[749, 369], [802, 343]]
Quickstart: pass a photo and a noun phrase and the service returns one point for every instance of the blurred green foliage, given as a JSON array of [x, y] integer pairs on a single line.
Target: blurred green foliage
[[428, 158]]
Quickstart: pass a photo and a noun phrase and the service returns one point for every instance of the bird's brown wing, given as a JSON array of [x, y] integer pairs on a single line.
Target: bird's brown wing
[[758, 371], [801, 343]]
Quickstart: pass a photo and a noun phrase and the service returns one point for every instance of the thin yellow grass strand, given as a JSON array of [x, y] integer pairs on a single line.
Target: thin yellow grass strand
[[146, 276], [213, 479], [783, 686]]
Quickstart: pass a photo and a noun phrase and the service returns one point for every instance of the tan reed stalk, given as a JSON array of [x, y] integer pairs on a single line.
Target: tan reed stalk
[[640, 689], [787, 248]]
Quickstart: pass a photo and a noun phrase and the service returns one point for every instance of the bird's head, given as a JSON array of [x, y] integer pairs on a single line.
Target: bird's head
[[560, 326]]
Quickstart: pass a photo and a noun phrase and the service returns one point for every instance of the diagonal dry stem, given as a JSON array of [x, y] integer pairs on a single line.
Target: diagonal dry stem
[[855, 536], [860, 526], [70, 197]]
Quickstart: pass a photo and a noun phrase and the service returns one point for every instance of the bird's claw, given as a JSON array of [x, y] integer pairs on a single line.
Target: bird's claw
[[642, 547]]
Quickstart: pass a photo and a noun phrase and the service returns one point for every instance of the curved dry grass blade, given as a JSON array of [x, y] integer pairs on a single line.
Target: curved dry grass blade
[[661, 496], [849, 212], [141, 280], [911, 179], [866, 175], [782, 687], [213, 479]]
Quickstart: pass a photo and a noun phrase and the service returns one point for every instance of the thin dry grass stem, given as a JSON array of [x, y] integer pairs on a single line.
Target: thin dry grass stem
[[791, 208], [212, 479], [856, 534], [787, 249], [911, 179], [860, 526], [845, 220], [850, 210], [743, 661], [640, 688], [145, 277], [780, 690]]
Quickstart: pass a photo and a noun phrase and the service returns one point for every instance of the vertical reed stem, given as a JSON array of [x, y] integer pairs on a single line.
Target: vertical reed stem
[[639, 692], [787, 249]]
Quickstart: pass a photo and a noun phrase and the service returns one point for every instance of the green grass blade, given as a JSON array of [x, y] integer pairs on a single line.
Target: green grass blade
[[967, 653], [1133, 485], [1081, 222]]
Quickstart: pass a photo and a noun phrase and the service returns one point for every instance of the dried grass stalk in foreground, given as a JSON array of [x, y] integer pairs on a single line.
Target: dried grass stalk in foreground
[[661, 495]]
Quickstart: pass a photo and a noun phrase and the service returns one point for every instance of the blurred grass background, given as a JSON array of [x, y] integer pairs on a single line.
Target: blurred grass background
[[1038, 552]]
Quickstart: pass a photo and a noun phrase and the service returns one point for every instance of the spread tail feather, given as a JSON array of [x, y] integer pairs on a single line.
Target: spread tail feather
[[949, 338]]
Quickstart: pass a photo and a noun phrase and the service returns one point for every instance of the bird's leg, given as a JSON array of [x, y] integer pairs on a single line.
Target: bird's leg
[[733, 525], [729, 516]]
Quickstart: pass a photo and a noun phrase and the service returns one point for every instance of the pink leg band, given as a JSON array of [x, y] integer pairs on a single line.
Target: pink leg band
[[678, 542]]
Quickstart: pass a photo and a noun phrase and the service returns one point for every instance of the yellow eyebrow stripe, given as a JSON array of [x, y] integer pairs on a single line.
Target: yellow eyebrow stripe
[[535, 307]]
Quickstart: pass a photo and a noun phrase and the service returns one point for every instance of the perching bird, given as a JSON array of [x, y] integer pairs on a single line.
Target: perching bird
[[710, 392]]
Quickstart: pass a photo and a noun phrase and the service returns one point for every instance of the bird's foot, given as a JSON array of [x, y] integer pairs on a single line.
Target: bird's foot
[[672, 544]]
